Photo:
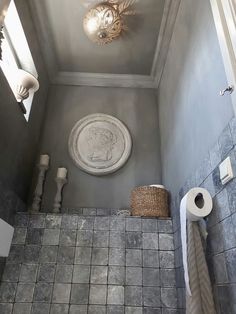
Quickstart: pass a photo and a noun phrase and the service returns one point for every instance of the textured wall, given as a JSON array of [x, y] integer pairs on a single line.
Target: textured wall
[[136, 108], [195, 137], [18, 139], [221, 223], [192, 114]]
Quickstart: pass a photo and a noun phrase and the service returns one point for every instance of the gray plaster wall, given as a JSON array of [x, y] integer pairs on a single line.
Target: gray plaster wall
[[192, 114], [137, 109], [19, 138]]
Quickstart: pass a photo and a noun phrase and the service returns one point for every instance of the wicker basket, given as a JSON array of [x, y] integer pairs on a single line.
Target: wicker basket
[[149, 201]]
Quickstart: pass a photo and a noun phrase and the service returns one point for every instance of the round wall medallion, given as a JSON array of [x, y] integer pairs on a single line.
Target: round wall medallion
[[99, 144]]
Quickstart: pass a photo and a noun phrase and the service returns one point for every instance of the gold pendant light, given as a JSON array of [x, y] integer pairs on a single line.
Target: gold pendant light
[[103, 23]]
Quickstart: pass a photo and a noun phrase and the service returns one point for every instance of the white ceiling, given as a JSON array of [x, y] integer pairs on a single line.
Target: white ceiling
[[132, 60]]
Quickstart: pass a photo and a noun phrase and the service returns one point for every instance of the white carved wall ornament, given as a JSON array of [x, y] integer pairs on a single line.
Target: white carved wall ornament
[[100, 144]]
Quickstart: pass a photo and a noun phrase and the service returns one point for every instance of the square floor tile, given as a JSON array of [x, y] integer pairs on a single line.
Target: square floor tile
[[24, 292], [36, 221], [64, 273], [100, 238], [117, 239], [117, 257], [67, 237], [165, 226], [115, 295], [166, 242], [81, 274], [167, 259], [6, 308], [151, 277], [133, 296], [99, 275], [103, 212], [43, 292], [34, 236], [59, 309], [16, 254], [48, 254], [150, 258], [134, 276], [22, 308], [61, 293], [51, 237], [66, 255], [89, 211], [169, 297], [69, 222], [133, 224], [31, 254], [11, 272], [116, 275], [149, 225], [40, 308], [133, 240], [117, 224], [21, 220], [115, 309], [133, 310], [28, 272], [96, 309], [19, 236], [79, 294], [101, 223], [133, 257], [152, 296], [84, 238], [152, 310], [7, 291], [100, 256], [86, 223], [150, 241], [98, 294], [168, 278], [83, 255], [46, 272], [78, 309], [53, 222]]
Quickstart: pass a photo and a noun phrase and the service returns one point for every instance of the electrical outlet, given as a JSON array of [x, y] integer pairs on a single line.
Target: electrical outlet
[[226, 171]]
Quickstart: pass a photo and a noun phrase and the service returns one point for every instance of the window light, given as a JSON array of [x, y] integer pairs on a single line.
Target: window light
[[16, 56]]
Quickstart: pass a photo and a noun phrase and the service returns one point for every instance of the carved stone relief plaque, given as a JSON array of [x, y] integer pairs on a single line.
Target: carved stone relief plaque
[[99, 144]]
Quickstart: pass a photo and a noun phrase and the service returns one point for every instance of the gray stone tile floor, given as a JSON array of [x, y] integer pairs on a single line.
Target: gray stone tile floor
[[73, 264]]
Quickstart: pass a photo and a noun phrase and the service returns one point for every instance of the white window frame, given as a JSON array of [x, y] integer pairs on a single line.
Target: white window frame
[[18, 52], [224, 13]]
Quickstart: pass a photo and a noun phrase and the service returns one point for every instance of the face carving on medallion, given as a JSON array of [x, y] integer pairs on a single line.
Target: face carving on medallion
[[100, 143]]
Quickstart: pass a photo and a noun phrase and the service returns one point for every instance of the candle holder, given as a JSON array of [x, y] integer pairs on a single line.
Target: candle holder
[[39, 188], [58, 198]]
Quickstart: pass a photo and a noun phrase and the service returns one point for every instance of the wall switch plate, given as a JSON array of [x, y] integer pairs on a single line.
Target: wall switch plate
[[226, 171]]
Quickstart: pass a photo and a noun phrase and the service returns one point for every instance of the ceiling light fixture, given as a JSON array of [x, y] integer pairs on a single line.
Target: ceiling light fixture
[[104, 22]]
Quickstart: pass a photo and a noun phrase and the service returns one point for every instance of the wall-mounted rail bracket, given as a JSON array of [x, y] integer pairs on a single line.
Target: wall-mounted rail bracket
[[228, 89]]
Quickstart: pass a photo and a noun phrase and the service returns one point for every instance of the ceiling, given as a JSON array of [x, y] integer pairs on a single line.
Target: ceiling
[[72, 58]]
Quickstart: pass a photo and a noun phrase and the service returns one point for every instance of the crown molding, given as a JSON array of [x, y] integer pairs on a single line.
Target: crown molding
[[104, 80], [42, 26], [166, 31]]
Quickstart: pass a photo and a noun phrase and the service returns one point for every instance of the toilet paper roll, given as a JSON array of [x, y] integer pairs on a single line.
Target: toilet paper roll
[[194, 206], [158, 186]]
